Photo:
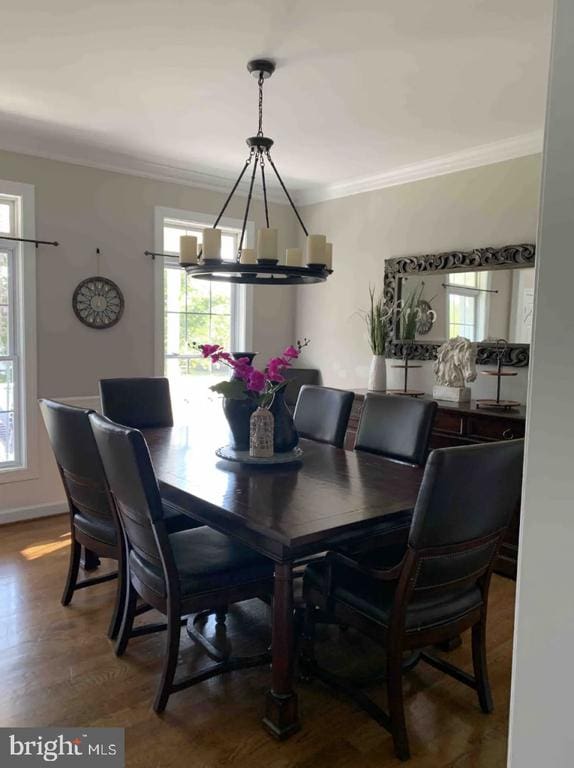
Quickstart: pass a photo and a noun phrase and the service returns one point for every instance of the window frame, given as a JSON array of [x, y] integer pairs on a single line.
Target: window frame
[[241, 295], [23, 328]]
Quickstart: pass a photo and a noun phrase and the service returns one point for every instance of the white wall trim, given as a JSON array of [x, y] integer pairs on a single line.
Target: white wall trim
[[32, 513], [117, 162], [103, 159], [474, 157]]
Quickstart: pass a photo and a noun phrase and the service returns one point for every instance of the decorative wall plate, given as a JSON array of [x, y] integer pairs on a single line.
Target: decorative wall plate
[[425, 320], [98, 302]]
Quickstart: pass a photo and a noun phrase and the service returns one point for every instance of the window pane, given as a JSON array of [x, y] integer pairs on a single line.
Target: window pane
[[468, 279], [7, 431], [6, 210], [197, 330], [221, 298], [220, 330], [174, 290], [175, 334], [198, 296], [4, 308]]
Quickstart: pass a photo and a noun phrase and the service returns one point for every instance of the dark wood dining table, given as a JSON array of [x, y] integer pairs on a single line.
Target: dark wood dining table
[[285, 512]]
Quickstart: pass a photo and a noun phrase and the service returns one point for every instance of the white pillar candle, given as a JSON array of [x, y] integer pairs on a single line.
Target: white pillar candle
[[329, 255], [212, 244], [267, 244], [248, 256], [187, 249], [294, 257], [316, 249]]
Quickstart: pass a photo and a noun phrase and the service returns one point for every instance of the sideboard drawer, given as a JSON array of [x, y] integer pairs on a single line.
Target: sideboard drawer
[[445, 421], [495, 428]]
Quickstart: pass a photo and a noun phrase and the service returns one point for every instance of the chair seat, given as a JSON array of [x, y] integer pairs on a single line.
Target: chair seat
[[206, 560], [97, 528], [176, 519], [374, 598]]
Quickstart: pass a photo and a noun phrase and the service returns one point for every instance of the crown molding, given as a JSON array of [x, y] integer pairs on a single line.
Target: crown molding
[[474, 157], [103, 159]]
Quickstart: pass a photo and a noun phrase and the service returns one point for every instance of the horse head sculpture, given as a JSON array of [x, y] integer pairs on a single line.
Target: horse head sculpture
[[455, 363]]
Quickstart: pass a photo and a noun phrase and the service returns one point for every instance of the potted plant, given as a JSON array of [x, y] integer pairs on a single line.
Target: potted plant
[[250, 388], [376, 319]]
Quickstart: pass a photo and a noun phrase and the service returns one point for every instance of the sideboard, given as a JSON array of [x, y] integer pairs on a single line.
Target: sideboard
[[465, 424]]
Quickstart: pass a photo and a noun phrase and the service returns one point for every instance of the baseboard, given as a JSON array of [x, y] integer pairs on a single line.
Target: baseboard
[[32, 513]]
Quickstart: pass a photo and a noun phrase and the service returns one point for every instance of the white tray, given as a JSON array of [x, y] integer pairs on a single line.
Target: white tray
[[243, 457]]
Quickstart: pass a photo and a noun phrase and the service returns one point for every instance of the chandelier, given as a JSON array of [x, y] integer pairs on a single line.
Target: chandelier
[[260, 265]]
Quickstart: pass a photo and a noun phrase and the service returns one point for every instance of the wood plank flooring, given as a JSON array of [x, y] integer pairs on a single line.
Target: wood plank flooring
[[57, 668]]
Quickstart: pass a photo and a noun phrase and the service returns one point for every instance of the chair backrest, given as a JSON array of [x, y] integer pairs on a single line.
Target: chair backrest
[[322, 414], [396, 427], [465, 503], [137, 403], [133, 485], [78, 459], [297, 378]]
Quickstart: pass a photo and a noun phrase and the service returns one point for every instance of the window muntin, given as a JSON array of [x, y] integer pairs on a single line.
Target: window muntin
[[11, 425]]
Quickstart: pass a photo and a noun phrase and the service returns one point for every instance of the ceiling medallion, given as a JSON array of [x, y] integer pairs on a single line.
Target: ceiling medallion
[[258, 265]]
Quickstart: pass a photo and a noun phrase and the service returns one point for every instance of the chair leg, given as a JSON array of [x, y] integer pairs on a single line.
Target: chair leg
[[165, 685], [121, 589], [130, 605], [90, 561], [396, 703], [480, 667], [307, 652], [72, 578]]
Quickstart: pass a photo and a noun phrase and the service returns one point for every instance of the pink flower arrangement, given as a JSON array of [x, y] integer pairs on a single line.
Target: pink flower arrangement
[[248, 381]]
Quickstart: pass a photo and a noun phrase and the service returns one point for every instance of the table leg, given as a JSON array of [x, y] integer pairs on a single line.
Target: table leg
[[281, 716]]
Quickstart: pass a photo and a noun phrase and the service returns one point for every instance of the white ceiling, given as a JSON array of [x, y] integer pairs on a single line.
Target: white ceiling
[[363, 87]]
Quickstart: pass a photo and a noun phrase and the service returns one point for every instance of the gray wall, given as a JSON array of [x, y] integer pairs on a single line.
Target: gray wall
[[541, 731], [492, 205]]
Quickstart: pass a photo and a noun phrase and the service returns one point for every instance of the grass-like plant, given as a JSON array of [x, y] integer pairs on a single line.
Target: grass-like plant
[[376, 319]]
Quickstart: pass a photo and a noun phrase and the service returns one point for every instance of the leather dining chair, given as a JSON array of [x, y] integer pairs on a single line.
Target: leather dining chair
[[144, 403], [432, 589], [322, 414], [396, 427], [179, 573], [93, 522]]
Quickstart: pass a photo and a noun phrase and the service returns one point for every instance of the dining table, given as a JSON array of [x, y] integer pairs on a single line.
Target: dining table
[[286, 512]]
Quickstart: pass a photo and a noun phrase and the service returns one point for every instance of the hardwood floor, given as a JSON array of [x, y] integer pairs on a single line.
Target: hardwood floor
[[57, 668]]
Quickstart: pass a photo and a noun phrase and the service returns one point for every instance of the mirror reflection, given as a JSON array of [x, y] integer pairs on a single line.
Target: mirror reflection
[[479, 305]]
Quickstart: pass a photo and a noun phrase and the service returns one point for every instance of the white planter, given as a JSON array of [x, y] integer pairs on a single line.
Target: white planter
[[378, 374]]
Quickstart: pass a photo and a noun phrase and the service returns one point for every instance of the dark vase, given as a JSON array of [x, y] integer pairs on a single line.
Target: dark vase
[[285, 436], [238, 413]]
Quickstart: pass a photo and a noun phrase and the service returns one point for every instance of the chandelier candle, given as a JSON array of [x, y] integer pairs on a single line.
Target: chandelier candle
[[248, 256], [187, 250], [212, 244], [316, 249], [266, 244], [329, 255], [294, 257]]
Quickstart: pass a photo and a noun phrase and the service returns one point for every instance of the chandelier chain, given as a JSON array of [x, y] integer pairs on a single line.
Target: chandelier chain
[[260, 82]]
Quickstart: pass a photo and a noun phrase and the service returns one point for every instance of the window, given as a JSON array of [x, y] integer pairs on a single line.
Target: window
[[466, 304], [198, 311], [17, 331]]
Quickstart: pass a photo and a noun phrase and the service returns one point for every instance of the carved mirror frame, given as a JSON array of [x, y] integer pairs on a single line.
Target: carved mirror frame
[[489, 258]]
